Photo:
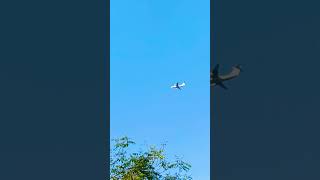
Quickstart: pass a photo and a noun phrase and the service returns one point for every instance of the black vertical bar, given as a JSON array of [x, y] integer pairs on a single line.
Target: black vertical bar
[[54, 95]]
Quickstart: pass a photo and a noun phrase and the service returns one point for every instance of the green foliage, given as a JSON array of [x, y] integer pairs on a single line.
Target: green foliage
[[151, 164]]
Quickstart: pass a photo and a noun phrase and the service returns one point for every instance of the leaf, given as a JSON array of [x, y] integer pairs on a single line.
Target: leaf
[[148, 164]]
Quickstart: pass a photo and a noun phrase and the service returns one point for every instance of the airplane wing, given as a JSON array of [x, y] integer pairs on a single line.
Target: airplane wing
[[234, 73], [223, 86], [183, 84]]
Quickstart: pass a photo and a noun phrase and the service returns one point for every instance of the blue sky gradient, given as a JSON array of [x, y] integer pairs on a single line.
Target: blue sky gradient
[[153, 45]]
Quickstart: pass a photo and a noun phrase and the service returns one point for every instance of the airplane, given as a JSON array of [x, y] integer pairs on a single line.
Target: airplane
[[178, 86], [216, 79]]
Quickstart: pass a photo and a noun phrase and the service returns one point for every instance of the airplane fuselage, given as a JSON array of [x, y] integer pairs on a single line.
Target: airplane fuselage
[[178, 86]]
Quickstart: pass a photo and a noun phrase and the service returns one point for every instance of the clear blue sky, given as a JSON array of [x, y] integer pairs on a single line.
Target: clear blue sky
[[153, 45]]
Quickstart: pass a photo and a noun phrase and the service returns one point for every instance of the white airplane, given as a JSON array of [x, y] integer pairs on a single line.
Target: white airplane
[[178, 86]]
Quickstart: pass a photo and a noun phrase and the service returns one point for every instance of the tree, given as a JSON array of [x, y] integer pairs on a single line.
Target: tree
[[150, 164]]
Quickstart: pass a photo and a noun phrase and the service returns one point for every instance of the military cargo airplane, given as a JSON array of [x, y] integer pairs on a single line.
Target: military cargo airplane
[[217, 79]]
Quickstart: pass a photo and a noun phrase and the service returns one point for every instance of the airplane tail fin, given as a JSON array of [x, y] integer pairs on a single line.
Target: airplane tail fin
[[216, 70]]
